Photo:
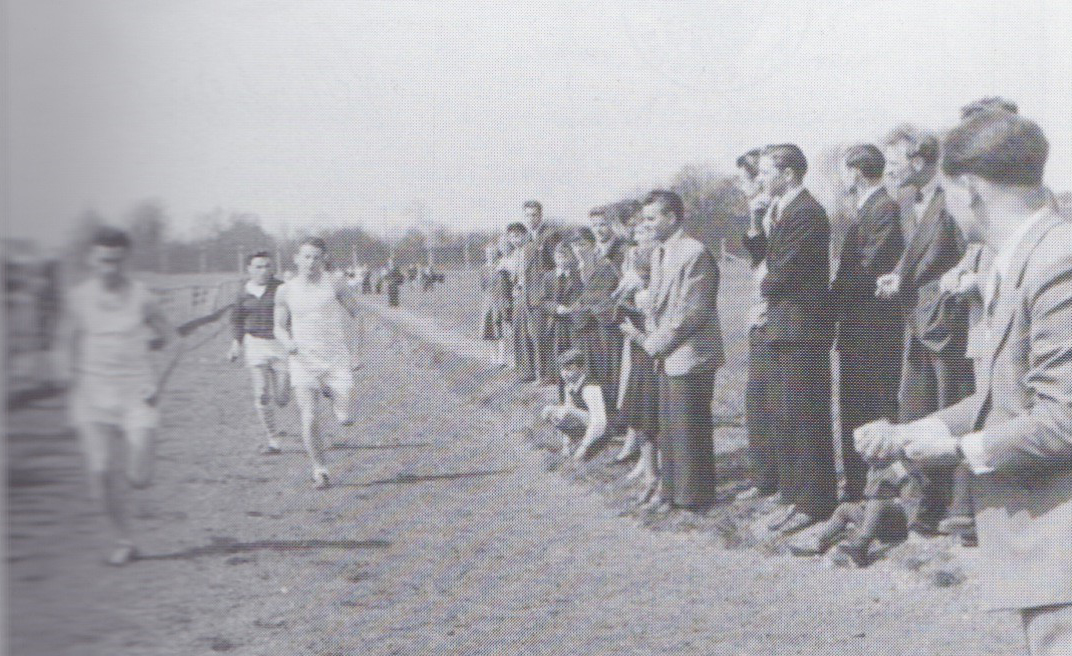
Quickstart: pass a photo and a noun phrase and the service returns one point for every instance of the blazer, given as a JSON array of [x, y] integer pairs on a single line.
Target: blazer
[[552, 295], [538, 259], [596, 302], [684, 327], [938, 320], [797, 283], [873, 245], [1023, 408]]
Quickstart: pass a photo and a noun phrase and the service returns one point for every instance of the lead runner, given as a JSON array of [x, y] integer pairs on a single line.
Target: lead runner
[[109, 326], [312, 314]]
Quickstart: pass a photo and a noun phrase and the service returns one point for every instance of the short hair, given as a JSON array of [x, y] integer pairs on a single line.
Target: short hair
[[571, 356], [668, 199], [517, 227], [314, 241], [111, 237], [597, 211], [750, 163], [249, 260], [988, 104], [563, 246], [787, 156], [532, 203], [1000, 147], [584, 234], [867, 159], [921, 143]]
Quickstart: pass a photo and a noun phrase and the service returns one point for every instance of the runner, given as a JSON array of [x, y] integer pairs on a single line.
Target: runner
[[110, 324], [312, 313], [252, 322]]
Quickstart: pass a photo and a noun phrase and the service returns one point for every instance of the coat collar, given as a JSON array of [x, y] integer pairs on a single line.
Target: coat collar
[[1013, 277]]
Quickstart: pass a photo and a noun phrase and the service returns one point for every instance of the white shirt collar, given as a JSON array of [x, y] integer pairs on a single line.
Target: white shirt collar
[[788, 197], [867, 197], [1003, 257], [255, 289]]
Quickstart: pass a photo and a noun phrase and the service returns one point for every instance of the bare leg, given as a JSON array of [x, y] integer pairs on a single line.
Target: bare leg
[[281, 381], [105, 487], [262, 377], [630, 448], [314, 444]]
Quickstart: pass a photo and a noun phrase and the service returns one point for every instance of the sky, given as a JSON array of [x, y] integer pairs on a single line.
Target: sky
[[336, 112]]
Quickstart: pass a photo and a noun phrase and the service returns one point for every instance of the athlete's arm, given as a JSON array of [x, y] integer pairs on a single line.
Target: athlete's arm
[[162, 328], [66, 345], [282, 321], [346, 297]]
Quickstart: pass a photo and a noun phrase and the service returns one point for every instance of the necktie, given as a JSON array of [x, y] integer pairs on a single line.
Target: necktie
[[992, 297]]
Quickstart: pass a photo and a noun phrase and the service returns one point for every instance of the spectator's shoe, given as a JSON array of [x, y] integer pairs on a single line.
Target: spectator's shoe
[[814, 547], [270, 449], [780, 517], [123, 554], [856, 550], [798, 522], [926, 528], [748, 495], [957, 525]]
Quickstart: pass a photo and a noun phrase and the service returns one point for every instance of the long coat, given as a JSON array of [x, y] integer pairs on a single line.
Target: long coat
[[558, 290], [1023, 408]]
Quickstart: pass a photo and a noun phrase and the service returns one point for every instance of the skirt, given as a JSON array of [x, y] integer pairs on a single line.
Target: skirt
[[640, 404]]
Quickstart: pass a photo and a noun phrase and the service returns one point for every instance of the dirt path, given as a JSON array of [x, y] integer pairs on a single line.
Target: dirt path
[[445, 535]]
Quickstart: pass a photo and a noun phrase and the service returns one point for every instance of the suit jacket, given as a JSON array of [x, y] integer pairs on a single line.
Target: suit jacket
[[538, 259], [796, 286], [1023, 407], [873, 245], [616, 251], [596, 302], [685, 332], [554, 294], [938, 320]]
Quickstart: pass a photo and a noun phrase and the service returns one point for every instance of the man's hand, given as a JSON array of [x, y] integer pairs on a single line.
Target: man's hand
[[929, 442], [888, 285], [631, 332], [234, 352], [878, 442]]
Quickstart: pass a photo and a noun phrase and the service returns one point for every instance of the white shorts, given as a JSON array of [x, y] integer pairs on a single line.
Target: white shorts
[[259, 352], [308, 373], [115, 402]]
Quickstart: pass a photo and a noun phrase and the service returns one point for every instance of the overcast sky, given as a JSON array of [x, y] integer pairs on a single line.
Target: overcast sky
[[322, 111]]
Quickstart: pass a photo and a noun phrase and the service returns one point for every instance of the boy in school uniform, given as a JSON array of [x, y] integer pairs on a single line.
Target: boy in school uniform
[[562, 287], [581, 413]]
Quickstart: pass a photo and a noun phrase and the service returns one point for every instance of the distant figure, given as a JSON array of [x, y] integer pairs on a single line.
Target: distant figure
[[110, 325], [393, 279], [253, 330]]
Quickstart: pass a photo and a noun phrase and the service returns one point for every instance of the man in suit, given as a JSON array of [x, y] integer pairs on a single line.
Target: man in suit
[[1015, 431], [609, 245], [685, 340], [533, 341], [935, 373], [798, 327], [869, 329], [759, 411]]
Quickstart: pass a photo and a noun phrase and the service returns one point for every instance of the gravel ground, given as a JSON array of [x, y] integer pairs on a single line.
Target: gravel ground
[[445, 534]]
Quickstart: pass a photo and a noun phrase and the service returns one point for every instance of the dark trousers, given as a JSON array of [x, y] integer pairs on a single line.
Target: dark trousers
[[932, 381], [759, 413], [532, 344], [685, 442], [807, 475], [602, 346], [870, 374]]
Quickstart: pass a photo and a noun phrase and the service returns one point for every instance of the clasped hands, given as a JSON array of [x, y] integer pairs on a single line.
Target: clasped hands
[[926, 441]]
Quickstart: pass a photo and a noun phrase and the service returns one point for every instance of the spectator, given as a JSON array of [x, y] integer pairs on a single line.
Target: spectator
[[581, 413]]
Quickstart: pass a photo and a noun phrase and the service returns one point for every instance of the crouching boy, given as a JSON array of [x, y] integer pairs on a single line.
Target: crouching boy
[[581, 413]]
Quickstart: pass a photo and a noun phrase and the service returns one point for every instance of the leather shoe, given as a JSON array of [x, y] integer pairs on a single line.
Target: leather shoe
[[798, 522]]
